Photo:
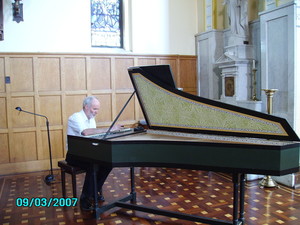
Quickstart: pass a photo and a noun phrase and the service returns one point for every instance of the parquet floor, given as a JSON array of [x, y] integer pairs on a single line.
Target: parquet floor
[[189, 191]]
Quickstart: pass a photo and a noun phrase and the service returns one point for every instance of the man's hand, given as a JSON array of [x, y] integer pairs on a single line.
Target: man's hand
[[117, 127]]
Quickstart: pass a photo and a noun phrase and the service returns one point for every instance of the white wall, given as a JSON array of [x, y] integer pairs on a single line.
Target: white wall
[[167, 26], [154, 27]]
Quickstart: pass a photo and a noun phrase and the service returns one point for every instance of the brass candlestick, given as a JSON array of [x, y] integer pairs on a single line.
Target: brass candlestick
[[267, 181], [270, 93]]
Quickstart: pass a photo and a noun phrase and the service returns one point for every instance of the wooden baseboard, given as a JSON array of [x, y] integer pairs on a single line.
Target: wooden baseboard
[[25, 167]]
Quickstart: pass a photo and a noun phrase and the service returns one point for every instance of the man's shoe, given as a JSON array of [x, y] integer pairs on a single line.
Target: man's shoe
[[86, 204], [101, 198]]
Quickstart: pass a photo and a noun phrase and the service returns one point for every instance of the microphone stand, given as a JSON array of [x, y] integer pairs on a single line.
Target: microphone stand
[[49, 178]]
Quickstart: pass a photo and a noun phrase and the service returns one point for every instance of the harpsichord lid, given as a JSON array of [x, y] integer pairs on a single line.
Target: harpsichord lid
[[167, 108]]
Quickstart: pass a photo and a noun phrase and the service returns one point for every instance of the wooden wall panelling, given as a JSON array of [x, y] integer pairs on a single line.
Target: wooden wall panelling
[[64, 106], [23, 139], [4, 142], [21, 74], [55, 85], [40, 121], [2, 76], [29, 166], [75, 74], [174, 67], [104, 116], [128, 115], [123, 89], [48, 74], [56, 138], [50, 106], [24, 148], [187, 78], [122, 79], [4, 148], [3, 118], [100, 77], [88, 75], [73, 104], [140, 61], [8, 132], [25, 145], [21, 119], [146, 61], [113, 69], [138, 111]]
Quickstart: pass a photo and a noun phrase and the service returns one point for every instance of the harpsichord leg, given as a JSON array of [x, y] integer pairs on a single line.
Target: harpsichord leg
[[132, 180], [95, 169], [238, 198], [235, 180], [242, 198], [131, 197]]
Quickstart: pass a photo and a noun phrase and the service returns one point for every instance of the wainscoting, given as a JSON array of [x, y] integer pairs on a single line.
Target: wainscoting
[[54, 85]]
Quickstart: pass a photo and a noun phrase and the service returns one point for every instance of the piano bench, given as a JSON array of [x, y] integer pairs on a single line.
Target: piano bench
[[73, 171]]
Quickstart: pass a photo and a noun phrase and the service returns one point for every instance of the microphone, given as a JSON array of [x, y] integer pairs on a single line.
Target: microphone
[[49, 178]]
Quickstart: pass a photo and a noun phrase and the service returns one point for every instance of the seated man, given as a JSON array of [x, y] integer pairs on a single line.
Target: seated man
[[83, 123]]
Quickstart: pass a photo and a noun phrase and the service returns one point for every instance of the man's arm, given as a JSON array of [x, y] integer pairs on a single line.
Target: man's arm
[[92, 131]]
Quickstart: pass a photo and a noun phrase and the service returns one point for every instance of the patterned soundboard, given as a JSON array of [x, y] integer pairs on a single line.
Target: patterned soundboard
[[220, 138], [166, 108]]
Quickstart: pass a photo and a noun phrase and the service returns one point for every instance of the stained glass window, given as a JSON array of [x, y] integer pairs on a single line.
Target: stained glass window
[[106, 23]]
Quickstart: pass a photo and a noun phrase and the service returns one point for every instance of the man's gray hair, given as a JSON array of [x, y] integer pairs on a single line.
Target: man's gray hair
[[88, 101]]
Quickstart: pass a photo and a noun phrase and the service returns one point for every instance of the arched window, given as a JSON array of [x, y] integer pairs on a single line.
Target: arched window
[[107, 23]]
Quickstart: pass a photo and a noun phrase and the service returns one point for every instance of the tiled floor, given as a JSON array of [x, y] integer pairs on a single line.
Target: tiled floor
[[201, 193]]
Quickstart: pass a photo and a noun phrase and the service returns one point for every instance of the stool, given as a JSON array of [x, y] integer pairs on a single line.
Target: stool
[[73, 170]]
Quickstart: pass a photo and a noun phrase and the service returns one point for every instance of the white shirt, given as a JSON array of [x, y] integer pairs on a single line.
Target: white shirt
[[78, 122]]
